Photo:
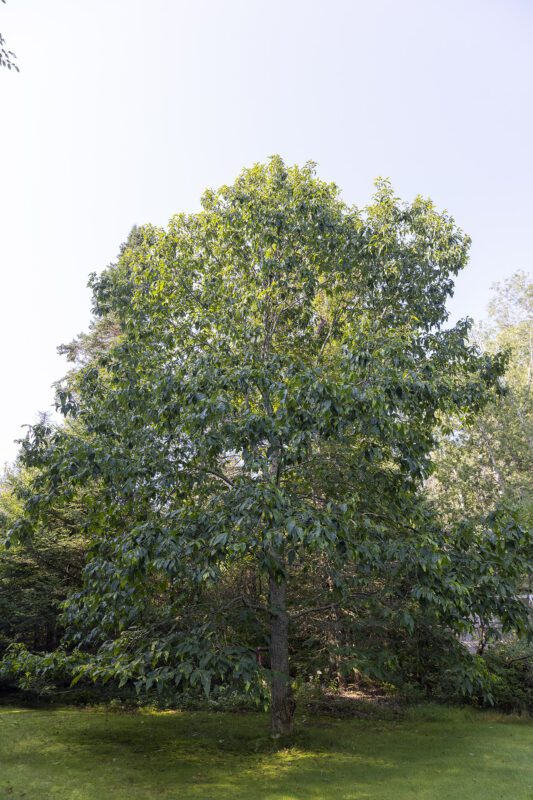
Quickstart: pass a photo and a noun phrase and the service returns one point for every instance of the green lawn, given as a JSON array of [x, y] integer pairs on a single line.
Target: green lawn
[[430, 754]]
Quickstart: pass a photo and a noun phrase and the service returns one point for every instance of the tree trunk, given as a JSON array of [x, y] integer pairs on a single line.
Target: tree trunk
[[282, 701]]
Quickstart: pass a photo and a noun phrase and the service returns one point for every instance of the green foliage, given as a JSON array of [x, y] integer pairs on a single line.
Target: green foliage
[[490, 460], [501, 678], [511, 669], [41, 674], [37, 572], [261, 418]]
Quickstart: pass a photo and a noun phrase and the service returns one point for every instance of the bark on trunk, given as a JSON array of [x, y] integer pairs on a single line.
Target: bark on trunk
[[282, 700]]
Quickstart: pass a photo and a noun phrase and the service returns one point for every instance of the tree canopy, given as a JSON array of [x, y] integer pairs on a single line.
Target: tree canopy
[[274, 378]]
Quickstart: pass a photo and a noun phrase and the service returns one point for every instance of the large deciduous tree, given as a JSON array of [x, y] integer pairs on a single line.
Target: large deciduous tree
[[270, 404]]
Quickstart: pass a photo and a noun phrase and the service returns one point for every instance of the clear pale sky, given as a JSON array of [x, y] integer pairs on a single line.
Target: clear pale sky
[[124, 111]]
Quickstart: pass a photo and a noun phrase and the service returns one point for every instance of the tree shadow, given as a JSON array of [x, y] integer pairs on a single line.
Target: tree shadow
[[202, 756]]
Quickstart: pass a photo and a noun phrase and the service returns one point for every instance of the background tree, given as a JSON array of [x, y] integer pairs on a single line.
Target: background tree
[[45, 561], [491, 460], [38, 572]]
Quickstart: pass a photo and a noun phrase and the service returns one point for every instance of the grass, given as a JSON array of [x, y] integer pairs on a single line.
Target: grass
[[430, 753]]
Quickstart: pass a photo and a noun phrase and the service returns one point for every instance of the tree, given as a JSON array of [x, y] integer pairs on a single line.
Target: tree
[[37, 573], [490, 460], [270, 404]]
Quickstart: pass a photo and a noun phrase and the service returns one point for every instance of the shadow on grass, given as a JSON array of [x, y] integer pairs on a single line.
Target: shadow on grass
[[84, 755]]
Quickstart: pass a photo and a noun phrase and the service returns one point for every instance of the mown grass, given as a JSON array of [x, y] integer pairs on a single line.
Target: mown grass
[[429, 753]]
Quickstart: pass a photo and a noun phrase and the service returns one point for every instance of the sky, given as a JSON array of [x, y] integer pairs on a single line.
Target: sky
[[124, 112]]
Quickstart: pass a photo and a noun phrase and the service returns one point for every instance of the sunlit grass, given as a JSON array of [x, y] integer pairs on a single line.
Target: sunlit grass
[[430, 753]]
